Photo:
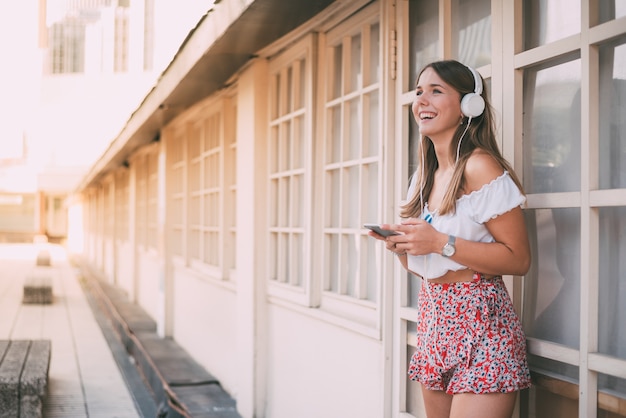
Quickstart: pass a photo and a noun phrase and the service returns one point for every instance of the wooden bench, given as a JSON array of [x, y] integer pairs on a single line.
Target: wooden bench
[[24, 366], [37, 289]]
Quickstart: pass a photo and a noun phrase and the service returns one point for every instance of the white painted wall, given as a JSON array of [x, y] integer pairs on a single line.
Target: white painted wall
[[149, 269], [317, 369], [124, 268], [205, 324]]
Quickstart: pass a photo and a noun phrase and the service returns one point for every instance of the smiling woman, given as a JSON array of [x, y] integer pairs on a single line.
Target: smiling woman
[[462, 230]]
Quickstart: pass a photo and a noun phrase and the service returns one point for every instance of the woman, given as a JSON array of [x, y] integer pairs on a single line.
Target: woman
[[463, 228]]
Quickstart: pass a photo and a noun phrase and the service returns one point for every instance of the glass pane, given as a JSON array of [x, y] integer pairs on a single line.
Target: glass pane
[[283, 201], [471, 31], [337, 69], [354, 136], [290, 91], [356, 72], [297, 213], [332, 201], [612, 291], [371, 136], [423, 36], [547, 21], [414, 284], [374, 56], [350, 197], [615, 388], [552, 286], [302, 84], [299, 141], [371, 263], [552, 128], [610, 10], [554, 391], [612, 153], [332, 262], [333, 147], [370, 193], [349, 264], [276, 97], [296, 257]]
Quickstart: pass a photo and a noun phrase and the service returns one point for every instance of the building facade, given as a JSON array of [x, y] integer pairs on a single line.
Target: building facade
[[230, 206]]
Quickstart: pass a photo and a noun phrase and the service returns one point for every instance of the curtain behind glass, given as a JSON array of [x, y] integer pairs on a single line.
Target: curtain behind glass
[[471, 31]]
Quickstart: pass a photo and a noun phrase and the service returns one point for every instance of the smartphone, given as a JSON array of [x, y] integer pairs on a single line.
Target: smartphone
[[384, 232]]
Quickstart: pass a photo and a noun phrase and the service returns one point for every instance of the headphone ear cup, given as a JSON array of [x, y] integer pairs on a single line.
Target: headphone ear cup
[[472, 105]]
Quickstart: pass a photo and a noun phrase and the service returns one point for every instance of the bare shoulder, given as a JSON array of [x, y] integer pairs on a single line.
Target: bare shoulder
[[481, 169]]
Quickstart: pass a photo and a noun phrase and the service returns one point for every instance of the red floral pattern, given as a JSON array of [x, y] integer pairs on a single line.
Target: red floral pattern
[[469, 339]]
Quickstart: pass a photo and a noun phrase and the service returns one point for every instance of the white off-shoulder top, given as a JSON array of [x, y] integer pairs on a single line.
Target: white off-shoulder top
[[468, 222]]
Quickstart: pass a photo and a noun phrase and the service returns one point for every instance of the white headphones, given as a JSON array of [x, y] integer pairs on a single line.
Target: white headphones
[[472, 104]]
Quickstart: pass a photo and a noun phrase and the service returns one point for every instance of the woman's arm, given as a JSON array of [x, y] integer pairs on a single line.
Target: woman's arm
[[510, 253]]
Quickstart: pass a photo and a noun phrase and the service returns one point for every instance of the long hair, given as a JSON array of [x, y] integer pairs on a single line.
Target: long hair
[[480, 135]]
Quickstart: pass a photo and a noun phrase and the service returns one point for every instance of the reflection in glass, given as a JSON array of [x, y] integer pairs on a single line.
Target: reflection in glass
[[547, 21], [550, 394], [471, 31], [552, 286], [356, 72], [612, 290], [552, 128], [612, 152], [423, 36], [610, 10], [614, 386]]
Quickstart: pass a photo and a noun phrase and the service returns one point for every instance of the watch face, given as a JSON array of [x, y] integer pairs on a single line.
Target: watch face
[[448, 250]]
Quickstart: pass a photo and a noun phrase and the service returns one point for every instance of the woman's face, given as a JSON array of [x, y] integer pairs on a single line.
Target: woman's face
[[437, 107]]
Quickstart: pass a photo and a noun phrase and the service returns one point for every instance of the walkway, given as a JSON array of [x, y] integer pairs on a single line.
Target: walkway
[[84, 379]]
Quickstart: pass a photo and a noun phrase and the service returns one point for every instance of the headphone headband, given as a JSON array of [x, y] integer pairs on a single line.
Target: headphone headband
[[472, 104], [478, 82]]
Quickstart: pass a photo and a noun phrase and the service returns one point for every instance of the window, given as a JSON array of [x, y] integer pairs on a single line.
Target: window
[[289, 161], [573, 162], [202, 188], [205, 189], [350, 163], [230, 182]]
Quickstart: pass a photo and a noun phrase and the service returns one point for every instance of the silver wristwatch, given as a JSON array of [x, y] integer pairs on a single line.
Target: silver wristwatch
[[449, 249]]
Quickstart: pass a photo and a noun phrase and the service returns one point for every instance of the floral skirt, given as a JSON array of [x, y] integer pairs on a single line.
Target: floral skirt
[[469, 339]]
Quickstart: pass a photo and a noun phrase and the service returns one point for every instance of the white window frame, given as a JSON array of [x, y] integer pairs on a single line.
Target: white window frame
[[290, 283], [215, 172], [362, 314]]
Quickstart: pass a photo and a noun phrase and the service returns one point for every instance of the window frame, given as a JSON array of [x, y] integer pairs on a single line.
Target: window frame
[[279, 65], [363, 314]]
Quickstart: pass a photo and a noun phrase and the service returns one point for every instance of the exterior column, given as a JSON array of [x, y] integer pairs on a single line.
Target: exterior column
[[251, 238], [165, 306]]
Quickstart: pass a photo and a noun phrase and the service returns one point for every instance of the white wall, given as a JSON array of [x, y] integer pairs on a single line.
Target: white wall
[[205, 324], [316, 369], [124, 268], [148, 295]]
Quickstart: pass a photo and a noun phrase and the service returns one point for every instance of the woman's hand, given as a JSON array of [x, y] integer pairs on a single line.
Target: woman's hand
[[417, 237]]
